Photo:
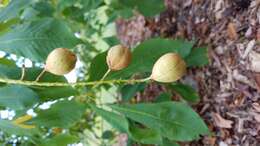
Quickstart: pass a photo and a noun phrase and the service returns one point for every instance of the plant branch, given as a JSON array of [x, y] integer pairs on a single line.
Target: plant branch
[[61, 84]]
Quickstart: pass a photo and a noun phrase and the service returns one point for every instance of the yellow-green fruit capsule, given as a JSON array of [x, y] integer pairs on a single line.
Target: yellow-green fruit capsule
[[168, 68], [60, 61], [118, 57]]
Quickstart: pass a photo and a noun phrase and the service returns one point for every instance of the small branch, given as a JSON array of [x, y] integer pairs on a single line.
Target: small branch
[[61, 84]]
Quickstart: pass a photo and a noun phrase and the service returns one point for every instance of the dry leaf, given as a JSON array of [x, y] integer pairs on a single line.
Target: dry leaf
[[209, 140], [257, 117], [258, 34], [232, 31], [257, 80], [249, 48], [256, 106], [254, 58], [223, 144], [221, 122]]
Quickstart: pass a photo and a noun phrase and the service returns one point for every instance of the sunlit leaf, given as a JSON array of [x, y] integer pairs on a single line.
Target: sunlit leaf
[[171, 119], [62, 114], [35, 40], [17, 97]]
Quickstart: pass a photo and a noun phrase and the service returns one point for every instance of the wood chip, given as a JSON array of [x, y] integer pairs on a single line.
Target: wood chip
[[256, 106], [221, 122], [232, 31], [257, 80], [249, 48], [223, 144], [254, 58], [257, 117], [243, 79]]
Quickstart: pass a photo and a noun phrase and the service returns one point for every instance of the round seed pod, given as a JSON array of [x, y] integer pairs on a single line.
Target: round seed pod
[[60, 61], [118, 57], [168, 68]]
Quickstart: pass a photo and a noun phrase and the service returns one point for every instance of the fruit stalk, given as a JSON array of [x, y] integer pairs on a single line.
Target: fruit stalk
[[40, 75]]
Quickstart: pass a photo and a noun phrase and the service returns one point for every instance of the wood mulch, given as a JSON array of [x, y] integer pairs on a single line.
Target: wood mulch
[[230, 85]]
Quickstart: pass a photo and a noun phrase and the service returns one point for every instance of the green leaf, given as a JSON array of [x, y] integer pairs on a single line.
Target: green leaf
[[43, 8], [62, 4], [61, 114], [143, 135], [146, 7], [52, 93], [17, 97], [111, 41], [13, 72], [90, 4], [186, 92], [167, 142], [60, 140], [7, 62], [129, 91], [118, 122], [143, 58], [86, 5], [35, 40], [13, 9], [163, 97], [198, 57], [45, 93], [107, 134], [5, 26], [10, 128], [173, 120], [98, 68]]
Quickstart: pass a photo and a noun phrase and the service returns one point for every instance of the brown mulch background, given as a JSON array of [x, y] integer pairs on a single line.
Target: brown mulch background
[[229, 88]]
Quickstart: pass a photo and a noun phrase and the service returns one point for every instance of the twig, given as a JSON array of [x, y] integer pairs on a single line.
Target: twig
[[62, 84]]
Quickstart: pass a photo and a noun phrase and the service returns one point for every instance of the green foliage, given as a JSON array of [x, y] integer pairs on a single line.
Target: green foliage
[[145, 7], [10, 128], [143, 135], [96, 71], [145, 53], [171, 119], [186, 92], [163, 97], [13, 9], [36, 39], [59, 140], [198, 57], [7, 62], [31, 29], [129, 91], [61, 114], [45, 93], [17, 97]]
